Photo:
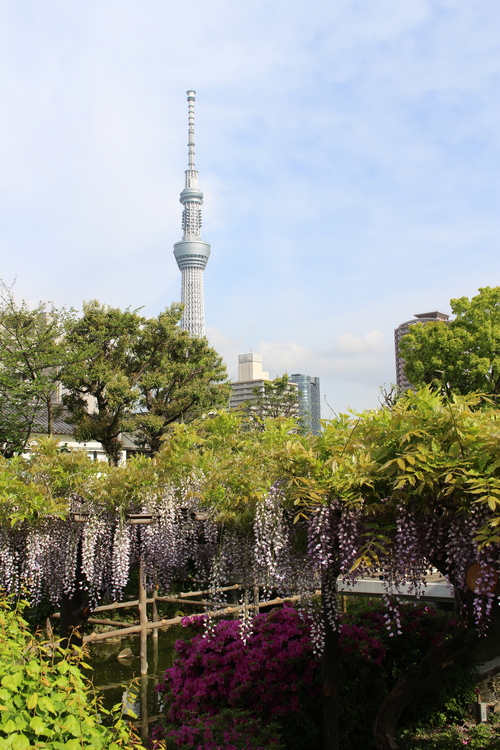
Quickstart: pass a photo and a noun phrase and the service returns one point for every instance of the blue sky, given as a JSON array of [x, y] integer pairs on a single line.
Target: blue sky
[[348, 151]]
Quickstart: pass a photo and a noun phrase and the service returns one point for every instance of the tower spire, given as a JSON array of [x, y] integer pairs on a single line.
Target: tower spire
[[191, 144], [192, 253]]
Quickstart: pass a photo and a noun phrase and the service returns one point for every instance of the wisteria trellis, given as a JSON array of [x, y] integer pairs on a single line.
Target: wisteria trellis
[[43, 558]]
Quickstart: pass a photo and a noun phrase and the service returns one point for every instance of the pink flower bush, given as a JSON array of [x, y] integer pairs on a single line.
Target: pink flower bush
[[271, 682], [268, 674]]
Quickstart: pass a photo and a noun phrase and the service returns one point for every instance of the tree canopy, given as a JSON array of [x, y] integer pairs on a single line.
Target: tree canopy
[[270, 400], [31, 357], [134, 374], [464, 354]]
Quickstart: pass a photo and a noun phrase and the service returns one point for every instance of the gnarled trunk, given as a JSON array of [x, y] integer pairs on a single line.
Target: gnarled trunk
[[75, 611], [431, 671]]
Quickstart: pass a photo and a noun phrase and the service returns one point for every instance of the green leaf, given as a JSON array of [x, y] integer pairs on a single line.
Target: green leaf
[[8, 726], [32, 701], [12, 681], [47, 704], [20, 742], [72, 726], [38, 726]]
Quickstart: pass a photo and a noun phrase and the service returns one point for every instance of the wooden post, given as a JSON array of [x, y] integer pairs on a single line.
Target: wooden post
[[154, 616], [143, 621], [330, 664], [144, 707]]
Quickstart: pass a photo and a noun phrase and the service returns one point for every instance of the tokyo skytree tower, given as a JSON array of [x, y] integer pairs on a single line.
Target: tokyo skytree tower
[[192, 253]]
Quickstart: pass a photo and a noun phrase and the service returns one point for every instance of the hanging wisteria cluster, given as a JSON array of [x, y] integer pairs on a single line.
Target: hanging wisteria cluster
[[95, 549], [410, 545]]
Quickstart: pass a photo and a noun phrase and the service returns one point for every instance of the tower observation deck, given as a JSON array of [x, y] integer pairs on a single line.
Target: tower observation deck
[[192, 253]]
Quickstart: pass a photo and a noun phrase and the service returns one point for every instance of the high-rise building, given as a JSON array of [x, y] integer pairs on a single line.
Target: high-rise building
[[251, 386], [250, 367], [250, 378], [309, 402], [430, 317], [192, 253]]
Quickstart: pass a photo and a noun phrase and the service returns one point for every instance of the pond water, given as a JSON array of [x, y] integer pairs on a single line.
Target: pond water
[[113, 676]]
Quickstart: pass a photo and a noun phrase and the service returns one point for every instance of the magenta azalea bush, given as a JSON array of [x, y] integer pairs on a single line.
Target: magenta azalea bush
[[231, 729], [271, 683], [274, 676]]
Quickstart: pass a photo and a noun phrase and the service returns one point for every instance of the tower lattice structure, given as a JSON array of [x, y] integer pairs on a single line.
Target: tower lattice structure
[[192, 253]]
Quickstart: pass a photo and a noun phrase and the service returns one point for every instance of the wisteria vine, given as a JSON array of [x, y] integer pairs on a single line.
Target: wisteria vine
[[95, 549]]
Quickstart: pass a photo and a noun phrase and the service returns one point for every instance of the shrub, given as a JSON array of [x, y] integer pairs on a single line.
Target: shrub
[[273, 676], [364, 681], [231, 729], [276, 677], [45, 701], [462, 737]]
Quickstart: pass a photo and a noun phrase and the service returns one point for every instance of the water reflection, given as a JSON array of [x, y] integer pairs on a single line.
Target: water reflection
[[113, 676]]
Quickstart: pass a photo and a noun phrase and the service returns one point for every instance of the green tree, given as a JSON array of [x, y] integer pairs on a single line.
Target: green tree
[[273, 399], [433, 461], [184, 378], [133, 374], [32, 354], [463, 355], [101, 380]]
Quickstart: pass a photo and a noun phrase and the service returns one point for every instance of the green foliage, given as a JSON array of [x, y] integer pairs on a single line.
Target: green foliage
[[365, 680], [101, 388], [31, 355], [45, 702], [237, 466], [130, 373], [481, 737], [429, 452], [463, 355], [275, 398], [184, 378], [234, 467], [38, 484]]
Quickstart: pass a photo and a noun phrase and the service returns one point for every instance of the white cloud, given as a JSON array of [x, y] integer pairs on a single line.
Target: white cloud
[[353, 363], [371, 342]]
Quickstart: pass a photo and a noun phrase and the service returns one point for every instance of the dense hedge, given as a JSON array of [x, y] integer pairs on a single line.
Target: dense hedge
[[373, 660]]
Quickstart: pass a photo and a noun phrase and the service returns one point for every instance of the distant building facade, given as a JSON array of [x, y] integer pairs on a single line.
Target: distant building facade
[[250, 367], [309, 402], [430, 317], [250, 384], [64, 433]]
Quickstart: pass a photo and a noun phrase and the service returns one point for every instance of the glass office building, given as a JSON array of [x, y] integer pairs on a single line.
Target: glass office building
[[309, 402]]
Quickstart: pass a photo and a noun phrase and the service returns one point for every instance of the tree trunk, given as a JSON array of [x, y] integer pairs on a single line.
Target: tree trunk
[[432, 671], [113, 448], [75, 610], [330, 666]]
